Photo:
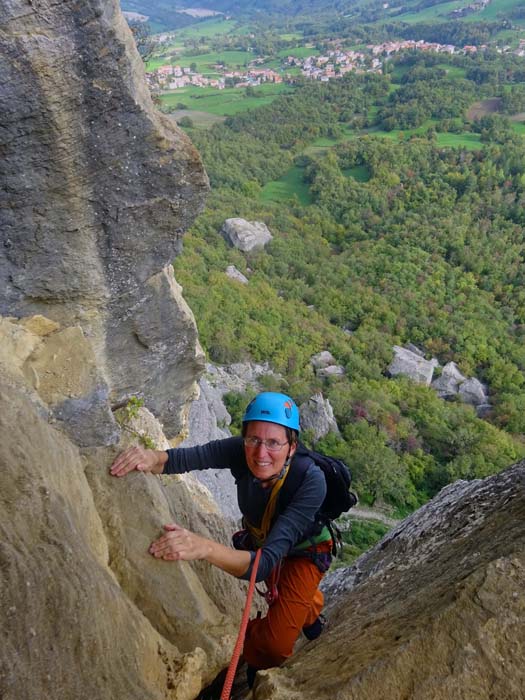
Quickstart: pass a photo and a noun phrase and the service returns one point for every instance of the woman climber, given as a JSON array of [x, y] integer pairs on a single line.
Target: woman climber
[[279, 494]]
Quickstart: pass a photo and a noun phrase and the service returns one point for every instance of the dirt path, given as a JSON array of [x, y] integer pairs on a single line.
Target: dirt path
[[370, 514]]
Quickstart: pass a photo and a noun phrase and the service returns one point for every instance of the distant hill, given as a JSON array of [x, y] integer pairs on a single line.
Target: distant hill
[[390, 16]]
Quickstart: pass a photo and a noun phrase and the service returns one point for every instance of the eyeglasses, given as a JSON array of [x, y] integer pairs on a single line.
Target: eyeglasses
[[271, 445]]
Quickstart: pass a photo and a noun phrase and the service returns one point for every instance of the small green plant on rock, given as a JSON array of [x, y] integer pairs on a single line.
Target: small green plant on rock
[[129, 412]]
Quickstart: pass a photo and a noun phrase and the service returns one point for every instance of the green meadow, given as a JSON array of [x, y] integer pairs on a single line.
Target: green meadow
[[452, 71], [435, 12], [222, 102], [519, 127], [291, 185], [208, 29], [361, 173], [232, 59], [494, 10], [299, 52]]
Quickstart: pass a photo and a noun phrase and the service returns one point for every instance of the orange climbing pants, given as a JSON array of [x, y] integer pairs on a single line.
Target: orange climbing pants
[[270, 640]]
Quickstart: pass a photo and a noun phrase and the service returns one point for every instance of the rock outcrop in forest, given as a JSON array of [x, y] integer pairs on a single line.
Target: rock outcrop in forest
[[96, 191]]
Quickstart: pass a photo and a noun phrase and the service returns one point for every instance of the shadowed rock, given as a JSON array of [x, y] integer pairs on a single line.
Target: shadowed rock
[[97, 189]]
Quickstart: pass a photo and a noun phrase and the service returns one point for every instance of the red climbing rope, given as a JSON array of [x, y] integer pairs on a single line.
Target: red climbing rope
[[228, 683]]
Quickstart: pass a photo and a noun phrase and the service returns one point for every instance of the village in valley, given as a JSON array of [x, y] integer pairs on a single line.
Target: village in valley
[[334, 64]]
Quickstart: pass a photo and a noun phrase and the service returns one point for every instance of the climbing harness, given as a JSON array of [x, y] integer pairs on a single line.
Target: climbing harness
[[228, 682]]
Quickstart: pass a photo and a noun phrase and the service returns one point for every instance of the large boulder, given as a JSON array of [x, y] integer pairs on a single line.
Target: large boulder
[[412, 365], [472, 391], [324, 365], [447, 385], [234, 274], [317, 415], [435, 610], [96, 191], [239, 376], [246, 235], [322, 360]]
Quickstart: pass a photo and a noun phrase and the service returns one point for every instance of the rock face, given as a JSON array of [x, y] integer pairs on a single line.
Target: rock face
[[412, 365], [324, 365], [97, 189], [317, 415], [235, 274], [206, 416], [473, 392], [448, 383], [86, 612], [437, 606], [322, 360], [239, 376], [452, 383], [246, 235]]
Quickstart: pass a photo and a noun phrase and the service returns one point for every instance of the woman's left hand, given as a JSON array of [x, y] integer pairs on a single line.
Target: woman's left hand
[[179, 544]]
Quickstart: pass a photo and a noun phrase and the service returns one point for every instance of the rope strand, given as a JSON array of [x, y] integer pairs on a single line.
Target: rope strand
[[228, 682]]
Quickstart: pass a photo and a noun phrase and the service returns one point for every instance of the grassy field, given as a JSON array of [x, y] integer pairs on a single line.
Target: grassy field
[[519, 127], [222, 102], [359, 172], [204, 62], [290, 185], [208, 28], [493, 9], [435, 12], [452, 71], [464, 140], [299, 52], [201, 120]]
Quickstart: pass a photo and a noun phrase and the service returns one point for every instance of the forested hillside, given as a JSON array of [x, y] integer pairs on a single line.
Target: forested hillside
[[393, 241]]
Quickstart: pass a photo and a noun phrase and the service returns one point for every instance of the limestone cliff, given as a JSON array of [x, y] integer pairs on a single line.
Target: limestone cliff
[[97, 188]]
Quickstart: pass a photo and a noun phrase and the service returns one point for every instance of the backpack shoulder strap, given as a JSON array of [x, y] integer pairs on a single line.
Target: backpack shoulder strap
[[298, 468]]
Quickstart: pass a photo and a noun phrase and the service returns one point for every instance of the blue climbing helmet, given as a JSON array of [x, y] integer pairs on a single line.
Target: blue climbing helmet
[[273, 408]]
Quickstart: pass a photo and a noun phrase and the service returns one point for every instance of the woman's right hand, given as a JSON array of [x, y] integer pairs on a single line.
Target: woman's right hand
[[140, 459]]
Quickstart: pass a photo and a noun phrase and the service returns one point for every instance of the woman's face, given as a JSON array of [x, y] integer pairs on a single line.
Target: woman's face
[[264, 463]]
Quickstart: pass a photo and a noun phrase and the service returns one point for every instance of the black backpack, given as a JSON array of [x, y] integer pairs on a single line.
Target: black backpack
[[338, 499]]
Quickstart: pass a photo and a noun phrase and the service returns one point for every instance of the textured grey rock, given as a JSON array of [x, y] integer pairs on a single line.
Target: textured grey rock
[[239, 376], [208, 420], [412, 365], [436, 606], [235, 274], [63, 370], [317, 415], [246, 235], [322, 359], [97, 189], [472, 391], [413, 348], [165, 334], [448, 383], [331, 371]]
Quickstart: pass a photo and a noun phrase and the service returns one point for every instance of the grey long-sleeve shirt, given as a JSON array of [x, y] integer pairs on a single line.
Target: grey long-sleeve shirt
[[291, 526]]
